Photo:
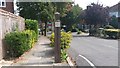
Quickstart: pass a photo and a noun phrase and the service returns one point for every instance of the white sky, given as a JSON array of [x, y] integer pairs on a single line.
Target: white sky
[[84, 3]]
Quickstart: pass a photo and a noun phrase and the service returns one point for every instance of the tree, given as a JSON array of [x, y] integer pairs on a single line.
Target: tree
[[41, 11], [114, 22], [96, 14], [76, 10], [29, 10], [72, 16]]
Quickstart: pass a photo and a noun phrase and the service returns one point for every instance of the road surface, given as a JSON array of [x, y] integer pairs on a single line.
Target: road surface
[[100, 52]]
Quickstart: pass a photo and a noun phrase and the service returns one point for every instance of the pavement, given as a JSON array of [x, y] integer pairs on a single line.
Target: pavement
[[40, 55], [93, 51]]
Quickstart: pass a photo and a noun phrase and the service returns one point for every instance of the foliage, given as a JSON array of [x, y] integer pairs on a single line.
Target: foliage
[[79, 32], [65, 39], [96, 14], [65, 42], [112, 33], [76, 10], [37, 10], [109, 27], [114, 22], [32, 25], [68, 20], [92, 32], [19, 42], [64, 55], [72, 17]]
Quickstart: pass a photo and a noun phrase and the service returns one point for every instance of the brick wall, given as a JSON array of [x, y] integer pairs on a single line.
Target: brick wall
[[8, 22]]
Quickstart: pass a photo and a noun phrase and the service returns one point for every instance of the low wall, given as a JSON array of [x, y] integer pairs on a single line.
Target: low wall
[[8, 23]]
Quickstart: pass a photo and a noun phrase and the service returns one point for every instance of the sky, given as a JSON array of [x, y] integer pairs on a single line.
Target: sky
[[84, 3]]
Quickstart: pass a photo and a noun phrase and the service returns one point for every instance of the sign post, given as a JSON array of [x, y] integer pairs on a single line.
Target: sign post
[[57, 38]]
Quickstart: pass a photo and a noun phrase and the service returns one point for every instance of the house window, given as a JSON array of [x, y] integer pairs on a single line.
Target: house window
[[2, 3]]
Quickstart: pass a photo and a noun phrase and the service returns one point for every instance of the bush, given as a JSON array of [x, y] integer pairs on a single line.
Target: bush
[[32, 25], [78, 32], [100, 32], [92, 32], [65, 42], [65, 39], [19, 42], [108, 27], [63, 55], [111, 33]]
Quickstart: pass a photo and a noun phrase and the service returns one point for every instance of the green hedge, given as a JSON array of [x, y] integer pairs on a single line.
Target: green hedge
[[65, 42], [32, 25], [20, 42], [112, 33], [109, 27]]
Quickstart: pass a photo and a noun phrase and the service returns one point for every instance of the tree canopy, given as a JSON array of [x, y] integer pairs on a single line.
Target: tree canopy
[[72, 17], [96, 14]]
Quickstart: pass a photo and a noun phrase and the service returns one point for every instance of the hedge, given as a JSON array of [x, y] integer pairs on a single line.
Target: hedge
[[19, 42], [109, 27], [32, 25], [112, 33], [65, 42]]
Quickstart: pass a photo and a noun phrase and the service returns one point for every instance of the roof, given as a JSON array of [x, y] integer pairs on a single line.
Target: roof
[[115, 8]]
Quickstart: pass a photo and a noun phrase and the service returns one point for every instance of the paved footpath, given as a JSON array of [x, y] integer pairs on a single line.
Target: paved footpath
[[40, 55]]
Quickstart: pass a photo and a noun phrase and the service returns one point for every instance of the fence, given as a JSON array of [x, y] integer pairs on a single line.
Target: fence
[[8, 23]]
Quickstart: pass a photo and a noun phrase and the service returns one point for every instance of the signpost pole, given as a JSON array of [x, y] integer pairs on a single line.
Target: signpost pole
[[57, 38]]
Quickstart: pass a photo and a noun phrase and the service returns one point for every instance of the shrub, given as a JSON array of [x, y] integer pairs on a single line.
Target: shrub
[[112, 33], [65, 42], [32, 25], [109, 27], [63, 55], [100, 32], [65, 39], [19, 42], [78, 32], [92, 32]]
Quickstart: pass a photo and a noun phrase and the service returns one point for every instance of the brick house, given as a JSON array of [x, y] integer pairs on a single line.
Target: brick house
[[7, 5]]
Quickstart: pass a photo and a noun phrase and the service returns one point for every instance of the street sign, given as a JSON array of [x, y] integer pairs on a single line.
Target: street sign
[[57, 24]]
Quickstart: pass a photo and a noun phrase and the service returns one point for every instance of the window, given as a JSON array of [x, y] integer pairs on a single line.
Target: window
[[2, 3]]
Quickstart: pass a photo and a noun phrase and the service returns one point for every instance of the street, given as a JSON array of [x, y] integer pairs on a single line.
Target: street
[[93, 51]]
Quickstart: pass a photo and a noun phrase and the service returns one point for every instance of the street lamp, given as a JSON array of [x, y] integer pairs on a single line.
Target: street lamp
[[57, 38]]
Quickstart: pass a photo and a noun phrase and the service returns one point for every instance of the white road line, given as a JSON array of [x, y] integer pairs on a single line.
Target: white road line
[[91, 64]]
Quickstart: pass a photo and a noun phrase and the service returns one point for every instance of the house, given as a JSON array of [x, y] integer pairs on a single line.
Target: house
[[7, 5], [114, 10]]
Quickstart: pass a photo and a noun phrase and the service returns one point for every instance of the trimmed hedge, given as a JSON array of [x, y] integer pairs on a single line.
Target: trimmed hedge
[[65, 39], [32, 25], [111, 33], [109, 27], [20, 42]]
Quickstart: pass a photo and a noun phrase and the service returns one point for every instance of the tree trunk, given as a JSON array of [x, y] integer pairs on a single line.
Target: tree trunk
[[45, 29]]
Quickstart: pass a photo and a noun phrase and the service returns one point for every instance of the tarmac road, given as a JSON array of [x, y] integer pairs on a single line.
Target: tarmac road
[[87, 50]]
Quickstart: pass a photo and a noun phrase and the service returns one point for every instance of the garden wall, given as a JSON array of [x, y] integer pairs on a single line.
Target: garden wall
[[8, 22]]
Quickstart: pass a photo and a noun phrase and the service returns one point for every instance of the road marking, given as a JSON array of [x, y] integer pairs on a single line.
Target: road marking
[[91, 64]]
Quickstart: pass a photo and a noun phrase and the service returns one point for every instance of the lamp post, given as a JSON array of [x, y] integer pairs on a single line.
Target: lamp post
[[57, 38]]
